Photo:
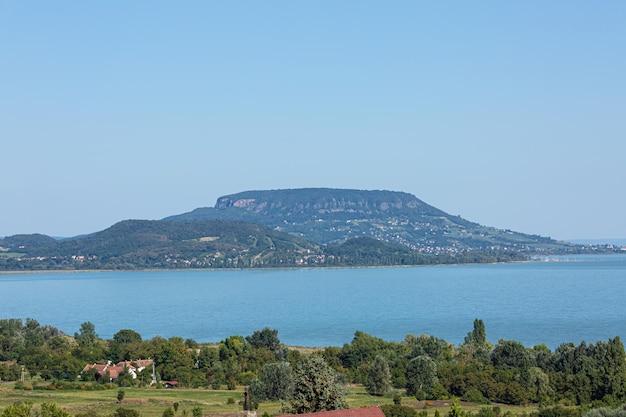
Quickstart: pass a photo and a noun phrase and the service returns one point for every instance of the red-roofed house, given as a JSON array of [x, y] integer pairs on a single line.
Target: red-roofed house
[[114, 371], [132, 367], [348, 412]]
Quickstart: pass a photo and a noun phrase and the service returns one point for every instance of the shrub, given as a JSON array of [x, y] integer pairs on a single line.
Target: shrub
[[397, 410], [120, 395], [168, 412], [486, 412], [475, 396], [558, 411], [125, 412]]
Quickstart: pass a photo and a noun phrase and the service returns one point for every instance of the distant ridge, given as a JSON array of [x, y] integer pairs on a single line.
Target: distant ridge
[[331, 216], [287, 228]]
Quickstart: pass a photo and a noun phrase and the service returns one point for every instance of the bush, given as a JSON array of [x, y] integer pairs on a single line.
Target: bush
[[125, 412], [486, 412], [168, 412], [558, 411], [606, 412], [397, 410], [475, 396]]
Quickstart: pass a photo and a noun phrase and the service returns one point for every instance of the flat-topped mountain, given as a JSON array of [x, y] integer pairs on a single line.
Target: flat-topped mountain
[[331, 216], [300, 227]]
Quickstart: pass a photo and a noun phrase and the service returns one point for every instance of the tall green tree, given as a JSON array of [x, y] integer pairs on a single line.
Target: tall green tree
[[86, 337], [611, 360], [475, 344], [126, 345], [316, 387], [421, 375], [278, 380], [174, 360], [89, 344], [378, 377], [478, 336], [266, 338]]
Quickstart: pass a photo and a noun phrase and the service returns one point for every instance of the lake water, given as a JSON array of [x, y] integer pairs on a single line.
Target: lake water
[[572, 299]]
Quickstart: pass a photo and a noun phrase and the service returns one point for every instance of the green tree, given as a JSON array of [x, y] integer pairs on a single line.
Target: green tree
[[378, 377], [421, 375], [257, 391], [126, 345], [509, 354], [33, 337], [86, 337], [266, 338], [277, 378], [611, 359], [539, 386], [475, 344], [478, 336], [65, 367], [455, 409], [437, 349], [316, 387], [120, 395]]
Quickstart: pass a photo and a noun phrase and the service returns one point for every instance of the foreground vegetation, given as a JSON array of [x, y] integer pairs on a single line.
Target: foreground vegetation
[[40, 364], [152, 402]]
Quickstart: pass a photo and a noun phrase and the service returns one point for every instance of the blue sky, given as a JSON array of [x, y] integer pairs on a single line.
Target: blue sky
[[511, 114]]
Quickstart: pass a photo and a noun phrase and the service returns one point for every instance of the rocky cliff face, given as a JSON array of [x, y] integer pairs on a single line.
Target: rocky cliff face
[[320, 201]]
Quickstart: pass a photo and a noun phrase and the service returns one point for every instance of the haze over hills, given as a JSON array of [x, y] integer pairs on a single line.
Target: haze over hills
[[299, 227]]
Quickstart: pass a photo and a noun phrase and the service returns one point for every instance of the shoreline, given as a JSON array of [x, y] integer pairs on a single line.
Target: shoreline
[[78, 271]]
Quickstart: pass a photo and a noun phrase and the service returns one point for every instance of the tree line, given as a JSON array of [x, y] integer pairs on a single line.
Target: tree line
[[424, 367]]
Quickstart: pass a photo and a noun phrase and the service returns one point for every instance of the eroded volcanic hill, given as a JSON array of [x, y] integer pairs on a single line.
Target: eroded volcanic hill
[[331, 216]]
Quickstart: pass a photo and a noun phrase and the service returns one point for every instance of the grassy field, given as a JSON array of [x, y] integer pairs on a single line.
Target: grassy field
[[151, 402]]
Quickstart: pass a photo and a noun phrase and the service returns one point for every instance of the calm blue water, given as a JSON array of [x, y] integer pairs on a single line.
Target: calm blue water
[[577, 298]]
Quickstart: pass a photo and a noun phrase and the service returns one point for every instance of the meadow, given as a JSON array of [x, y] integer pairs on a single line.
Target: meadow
[[151, 402]]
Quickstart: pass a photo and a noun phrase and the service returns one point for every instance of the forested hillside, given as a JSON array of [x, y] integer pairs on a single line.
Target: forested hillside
[[142, 244], [136, 244]]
